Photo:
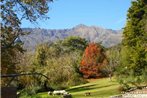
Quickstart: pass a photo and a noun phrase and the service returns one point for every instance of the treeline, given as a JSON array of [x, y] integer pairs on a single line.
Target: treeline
[[59, 61], [66, 63]]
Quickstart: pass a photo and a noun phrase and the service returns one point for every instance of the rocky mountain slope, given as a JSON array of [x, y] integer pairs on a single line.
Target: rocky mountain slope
[[107, 37]]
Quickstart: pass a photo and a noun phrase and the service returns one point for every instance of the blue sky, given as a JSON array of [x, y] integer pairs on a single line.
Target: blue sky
[[63, 14]]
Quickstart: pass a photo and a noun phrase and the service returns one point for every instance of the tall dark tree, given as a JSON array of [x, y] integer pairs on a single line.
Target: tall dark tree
[[133, 65]]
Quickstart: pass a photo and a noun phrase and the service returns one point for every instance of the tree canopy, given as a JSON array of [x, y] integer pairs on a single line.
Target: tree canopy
[[93, 61], [133, 65], [12, 13]]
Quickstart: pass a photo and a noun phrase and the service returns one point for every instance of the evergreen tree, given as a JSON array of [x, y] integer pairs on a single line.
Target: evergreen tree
[[133, 54]]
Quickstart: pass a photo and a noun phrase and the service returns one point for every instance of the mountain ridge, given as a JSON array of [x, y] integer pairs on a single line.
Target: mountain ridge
[[107, 37]]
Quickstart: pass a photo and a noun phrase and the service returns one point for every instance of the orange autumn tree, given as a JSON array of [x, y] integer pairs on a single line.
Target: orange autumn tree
[[93, 61]]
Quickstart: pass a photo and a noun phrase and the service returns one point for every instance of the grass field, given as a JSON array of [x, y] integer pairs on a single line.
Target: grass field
[[99, 88]]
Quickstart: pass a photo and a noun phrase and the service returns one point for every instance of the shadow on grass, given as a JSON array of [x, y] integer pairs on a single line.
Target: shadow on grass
[[81, 88], [98, 94], [87, 88]]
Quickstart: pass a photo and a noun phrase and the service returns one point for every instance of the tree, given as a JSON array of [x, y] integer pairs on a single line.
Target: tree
[[133, 63], [75, 46], [75, 43], [93, 61], [55, 62], [12, 13], [41, 55], [113, 55]]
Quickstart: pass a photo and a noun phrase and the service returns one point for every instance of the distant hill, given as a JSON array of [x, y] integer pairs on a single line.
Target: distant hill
[[107, 37]]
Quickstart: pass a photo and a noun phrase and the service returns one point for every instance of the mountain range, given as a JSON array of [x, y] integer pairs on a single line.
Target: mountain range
[[107, 37]]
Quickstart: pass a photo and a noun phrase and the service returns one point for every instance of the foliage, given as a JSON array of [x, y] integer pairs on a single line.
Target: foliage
[[41, 55], [27, 85], [75, 43], [12, 13], [93, 61], [61, 62], [57, 62], [62, 73], [113, 56], [133, 62]]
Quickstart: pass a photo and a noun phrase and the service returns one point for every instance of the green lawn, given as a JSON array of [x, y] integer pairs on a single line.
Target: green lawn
[[99, 88]]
